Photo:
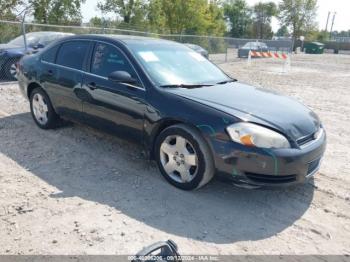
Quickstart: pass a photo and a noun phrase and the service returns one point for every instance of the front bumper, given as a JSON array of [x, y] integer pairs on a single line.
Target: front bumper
[[268, 167]]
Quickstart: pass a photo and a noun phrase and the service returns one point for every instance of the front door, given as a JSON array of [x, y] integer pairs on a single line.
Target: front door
[[117, 107]]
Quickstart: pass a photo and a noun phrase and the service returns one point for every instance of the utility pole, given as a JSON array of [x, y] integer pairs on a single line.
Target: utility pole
[[23, 13], [329, 13], [330, 34], [24, 32]]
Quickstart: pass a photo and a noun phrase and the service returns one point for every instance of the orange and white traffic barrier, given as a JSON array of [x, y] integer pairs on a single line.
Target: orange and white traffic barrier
[[275, 55], [268, 54]]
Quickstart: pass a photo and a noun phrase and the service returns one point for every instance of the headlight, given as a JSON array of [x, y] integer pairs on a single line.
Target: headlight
[[249, 134]]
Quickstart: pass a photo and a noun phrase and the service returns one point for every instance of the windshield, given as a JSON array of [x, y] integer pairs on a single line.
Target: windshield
[[19, 41], [169, 63], [251, 45]]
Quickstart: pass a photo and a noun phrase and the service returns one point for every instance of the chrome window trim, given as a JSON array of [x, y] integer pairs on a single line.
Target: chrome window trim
[[89, 73], [106, 78], [62, 66]]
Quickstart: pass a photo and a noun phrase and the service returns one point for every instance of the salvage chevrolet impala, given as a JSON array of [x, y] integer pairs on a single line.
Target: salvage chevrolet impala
[[193, 119]]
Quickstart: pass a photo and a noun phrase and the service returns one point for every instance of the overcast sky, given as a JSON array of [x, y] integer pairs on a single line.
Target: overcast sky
[[342, 7]]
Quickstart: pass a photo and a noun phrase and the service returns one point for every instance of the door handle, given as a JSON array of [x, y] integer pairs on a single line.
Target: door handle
[[92, 86], [50, 72]]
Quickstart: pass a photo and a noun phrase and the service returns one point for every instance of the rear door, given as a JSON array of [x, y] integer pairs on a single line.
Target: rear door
[[64, 77], [117, 107]]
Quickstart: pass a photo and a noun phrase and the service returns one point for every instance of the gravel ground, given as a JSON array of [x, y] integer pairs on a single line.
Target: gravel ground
[[76, 190]]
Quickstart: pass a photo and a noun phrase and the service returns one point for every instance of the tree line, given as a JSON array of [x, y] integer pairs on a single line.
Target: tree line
[[231, 18]]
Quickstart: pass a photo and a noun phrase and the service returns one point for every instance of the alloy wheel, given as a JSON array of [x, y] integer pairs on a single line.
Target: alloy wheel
[[179, 159], [13, 70], [40, 109]]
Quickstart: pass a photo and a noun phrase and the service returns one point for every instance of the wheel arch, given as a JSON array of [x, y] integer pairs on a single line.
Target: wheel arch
[[157, 130], [32, 86], [167, 123], [207, 167]]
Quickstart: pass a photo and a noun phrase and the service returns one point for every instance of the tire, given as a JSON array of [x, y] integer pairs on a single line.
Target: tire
[[186, 167], [8, 69], [47, 109]]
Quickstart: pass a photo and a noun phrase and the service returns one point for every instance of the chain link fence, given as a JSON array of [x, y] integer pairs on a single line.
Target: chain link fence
[[220, 49], [8, 60]]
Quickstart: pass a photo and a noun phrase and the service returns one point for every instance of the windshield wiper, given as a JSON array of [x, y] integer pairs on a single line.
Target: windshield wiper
[[185, 85], [226, 81]]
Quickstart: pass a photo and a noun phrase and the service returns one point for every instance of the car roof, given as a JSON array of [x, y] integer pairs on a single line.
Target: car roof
[[123, 38], [40, 33]]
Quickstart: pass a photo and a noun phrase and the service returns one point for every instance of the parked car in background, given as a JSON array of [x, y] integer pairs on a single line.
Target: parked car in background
[[199, 50], [11, 52], [252, 46], [314, 48], [191, 117]]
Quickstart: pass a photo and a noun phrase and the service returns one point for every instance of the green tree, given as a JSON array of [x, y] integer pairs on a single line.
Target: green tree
[[322, 36], [187, 16], [96, 22], [262, 15], [102, 22], [130, 11], [65, 12], [184, 16], [282, 31], [238, 14], [216, 25], [156, 16], [8, 8], [298, 15]]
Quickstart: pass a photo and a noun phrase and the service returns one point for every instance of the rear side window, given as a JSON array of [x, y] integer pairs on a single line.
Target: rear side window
[[50, 54], [72, 54]]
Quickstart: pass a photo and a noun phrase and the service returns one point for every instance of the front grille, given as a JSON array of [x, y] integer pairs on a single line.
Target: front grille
[[313, 166], [306, 139], [271, 179]]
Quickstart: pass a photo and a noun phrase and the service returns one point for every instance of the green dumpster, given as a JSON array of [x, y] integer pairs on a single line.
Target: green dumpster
[[314, 48]]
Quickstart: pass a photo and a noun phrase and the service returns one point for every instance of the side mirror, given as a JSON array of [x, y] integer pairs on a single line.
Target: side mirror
[[122, 77]]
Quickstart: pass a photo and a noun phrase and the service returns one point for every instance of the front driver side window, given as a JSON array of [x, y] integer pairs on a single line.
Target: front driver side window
[[107, 59]]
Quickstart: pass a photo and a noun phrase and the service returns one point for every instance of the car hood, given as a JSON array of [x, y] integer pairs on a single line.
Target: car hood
[[257, 105]]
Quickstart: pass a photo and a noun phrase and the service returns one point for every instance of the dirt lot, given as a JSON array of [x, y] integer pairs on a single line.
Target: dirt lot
[[75, 190]]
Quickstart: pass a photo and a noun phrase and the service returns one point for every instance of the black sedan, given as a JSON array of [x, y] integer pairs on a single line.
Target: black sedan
[[192, 118], [11, 52]]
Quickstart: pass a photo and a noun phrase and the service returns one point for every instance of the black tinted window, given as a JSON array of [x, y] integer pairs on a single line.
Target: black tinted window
[[72, 54], [107, 59], [50, 54]]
